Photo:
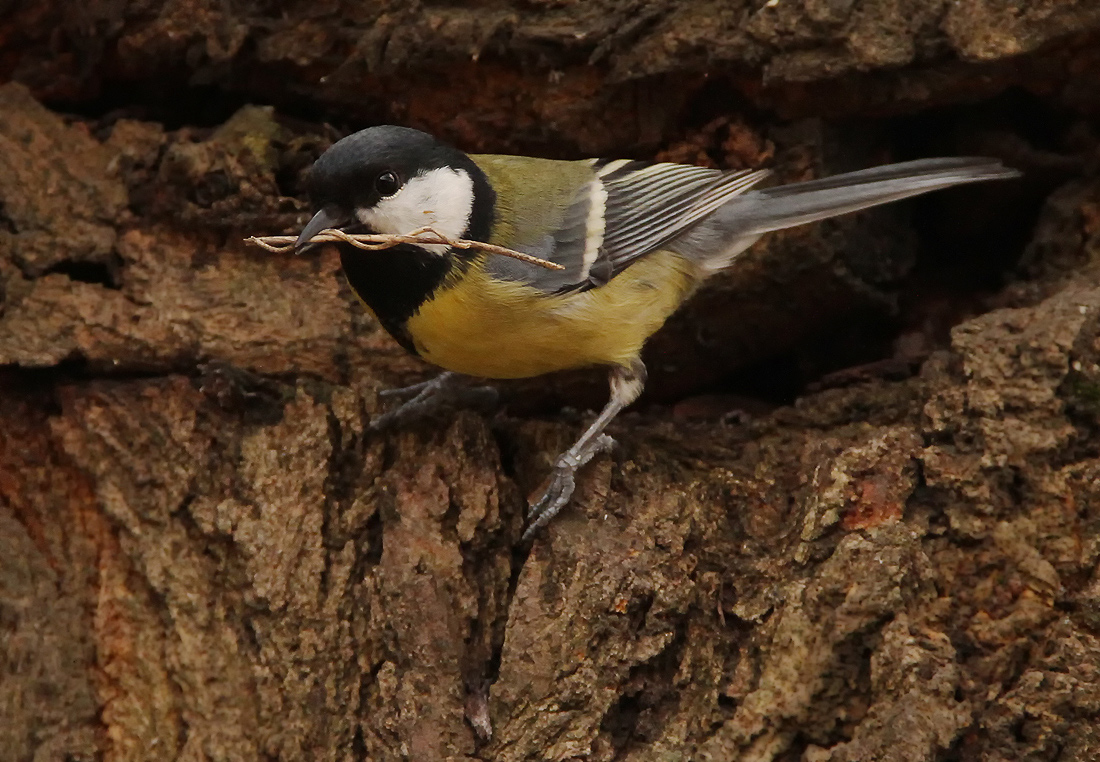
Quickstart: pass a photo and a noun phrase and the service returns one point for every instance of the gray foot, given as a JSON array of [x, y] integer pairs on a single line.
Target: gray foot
[[428, 397], [562, 483]]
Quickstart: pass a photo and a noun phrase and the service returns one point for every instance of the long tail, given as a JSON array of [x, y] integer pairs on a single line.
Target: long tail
[[740, 222], [798, 203]]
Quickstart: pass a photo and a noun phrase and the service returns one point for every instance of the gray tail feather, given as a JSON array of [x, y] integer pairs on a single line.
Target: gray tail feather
[[785, 206]]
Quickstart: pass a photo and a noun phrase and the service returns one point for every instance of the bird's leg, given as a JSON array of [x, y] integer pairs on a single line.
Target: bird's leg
[[626, 384], [429, 396]]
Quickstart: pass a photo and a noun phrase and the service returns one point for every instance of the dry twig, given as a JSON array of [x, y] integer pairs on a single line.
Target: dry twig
[[283, 243]]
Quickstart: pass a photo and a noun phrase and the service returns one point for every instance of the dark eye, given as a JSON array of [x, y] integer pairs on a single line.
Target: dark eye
[[387, 184]]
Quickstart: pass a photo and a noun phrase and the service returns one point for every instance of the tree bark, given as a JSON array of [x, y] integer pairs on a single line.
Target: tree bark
[[205, 554]]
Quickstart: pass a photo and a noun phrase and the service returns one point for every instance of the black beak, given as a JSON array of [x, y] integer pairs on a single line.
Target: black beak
[[323, 220]]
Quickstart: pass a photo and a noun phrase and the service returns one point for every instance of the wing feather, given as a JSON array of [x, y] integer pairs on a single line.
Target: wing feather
[[626, 210], [651, 206]]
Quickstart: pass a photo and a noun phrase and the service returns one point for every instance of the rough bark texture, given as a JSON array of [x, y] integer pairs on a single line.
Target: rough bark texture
[[206, 555]]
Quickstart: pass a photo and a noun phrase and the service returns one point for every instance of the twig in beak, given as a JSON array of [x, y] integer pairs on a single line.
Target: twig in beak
[[279, 244]]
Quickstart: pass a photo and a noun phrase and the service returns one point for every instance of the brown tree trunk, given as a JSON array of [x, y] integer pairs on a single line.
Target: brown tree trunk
[[205, 554]]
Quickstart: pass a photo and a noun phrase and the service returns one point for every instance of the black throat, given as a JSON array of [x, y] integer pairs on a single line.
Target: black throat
[[396, 282]]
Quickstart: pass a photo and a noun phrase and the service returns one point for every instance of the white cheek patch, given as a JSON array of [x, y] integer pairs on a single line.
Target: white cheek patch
[[442, 199]]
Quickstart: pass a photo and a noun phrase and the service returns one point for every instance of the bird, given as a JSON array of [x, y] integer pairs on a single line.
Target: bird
[[633, 240]]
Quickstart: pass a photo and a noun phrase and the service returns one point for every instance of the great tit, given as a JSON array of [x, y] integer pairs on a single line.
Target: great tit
[[634, 238]]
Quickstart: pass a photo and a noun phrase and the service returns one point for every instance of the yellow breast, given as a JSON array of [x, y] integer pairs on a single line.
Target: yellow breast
[[499, 329]]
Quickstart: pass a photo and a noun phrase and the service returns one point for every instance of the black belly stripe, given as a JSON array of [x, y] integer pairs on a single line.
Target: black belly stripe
[[394, 283]]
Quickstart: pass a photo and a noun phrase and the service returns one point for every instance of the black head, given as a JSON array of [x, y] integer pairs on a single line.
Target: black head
[[394, 180]]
